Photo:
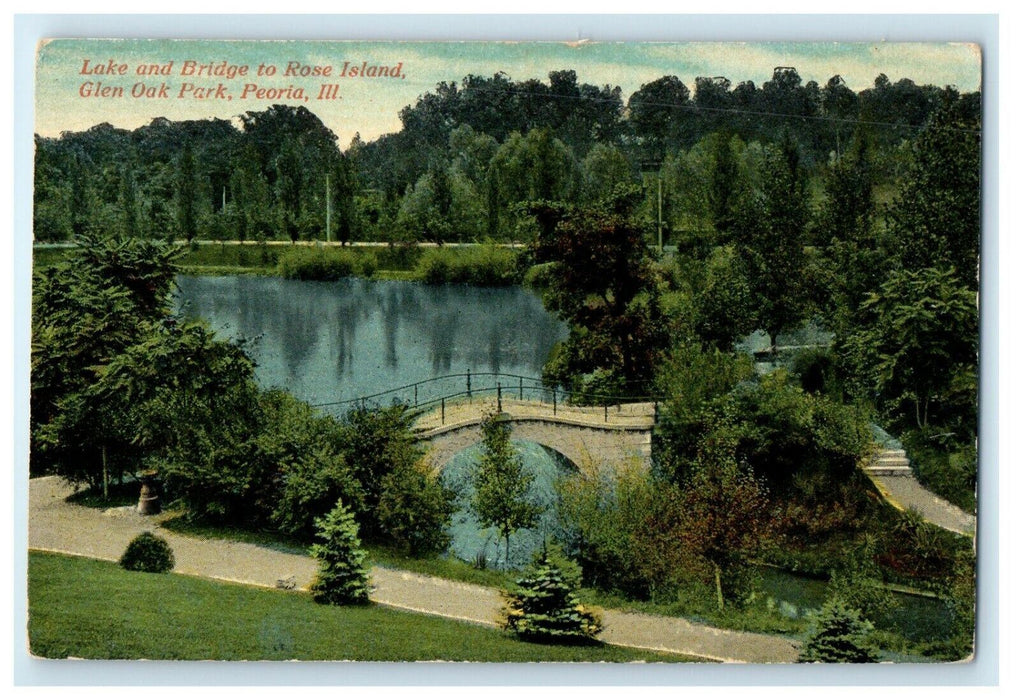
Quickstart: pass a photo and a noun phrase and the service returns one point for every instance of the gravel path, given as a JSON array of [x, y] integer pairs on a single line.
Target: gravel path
[[55, 525], [907, 492]]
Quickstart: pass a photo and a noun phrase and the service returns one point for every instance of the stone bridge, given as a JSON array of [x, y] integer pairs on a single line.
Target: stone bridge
[[589, 436]]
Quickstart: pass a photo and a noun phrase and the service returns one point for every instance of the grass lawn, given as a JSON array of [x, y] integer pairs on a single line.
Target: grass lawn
[[95, 610]]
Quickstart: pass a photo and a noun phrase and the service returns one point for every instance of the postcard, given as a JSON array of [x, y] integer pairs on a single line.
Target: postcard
[[505, 351]]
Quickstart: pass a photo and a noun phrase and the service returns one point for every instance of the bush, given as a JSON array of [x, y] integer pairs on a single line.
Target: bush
[[415, 510], [148, 553], [342, 577], [325, 264], [840, 636], [544, 608], [305, 456], [481, 265]]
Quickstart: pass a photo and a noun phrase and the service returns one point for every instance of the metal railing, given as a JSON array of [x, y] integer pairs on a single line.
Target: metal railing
[[421, 396]]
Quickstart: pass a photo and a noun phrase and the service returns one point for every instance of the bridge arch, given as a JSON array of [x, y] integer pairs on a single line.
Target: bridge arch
[[588, 437]]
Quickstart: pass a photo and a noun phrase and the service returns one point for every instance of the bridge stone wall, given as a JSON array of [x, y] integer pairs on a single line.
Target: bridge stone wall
[[585, 446]]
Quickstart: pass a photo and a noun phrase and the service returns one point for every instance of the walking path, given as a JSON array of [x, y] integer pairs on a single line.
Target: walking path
[[904, 491], [57, 526]]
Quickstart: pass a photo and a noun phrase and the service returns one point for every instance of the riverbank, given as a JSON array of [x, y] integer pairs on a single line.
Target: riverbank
[[453, 263]]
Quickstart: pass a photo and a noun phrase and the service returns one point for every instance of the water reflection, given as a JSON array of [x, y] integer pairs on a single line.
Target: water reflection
[[332, 341]]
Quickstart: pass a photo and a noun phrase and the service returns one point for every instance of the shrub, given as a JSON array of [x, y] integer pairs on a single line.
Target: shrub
[[342, 577], [840, 636], [415, 509], [148, 553], [305, 456], [481, 265], [544, 608], [325, 264]]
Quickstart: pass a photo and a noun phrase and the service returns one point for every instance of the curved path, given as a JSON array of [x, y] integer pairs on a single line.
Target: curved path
[[57, 526], [904, 491]]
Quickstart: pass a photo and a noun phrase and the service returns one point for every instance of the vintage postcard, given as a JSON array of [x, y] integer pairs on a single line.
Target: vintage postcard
[[505, 351]]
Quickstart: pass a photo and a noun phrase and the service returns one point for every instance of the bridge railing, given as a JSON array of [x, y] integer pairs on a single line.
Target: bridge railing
[[421, 397]]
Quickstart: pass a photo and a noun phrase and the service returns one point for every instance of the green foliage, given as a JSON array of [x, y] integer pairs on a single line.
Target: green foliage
[[936, 217], [101, 299], [415, 510], [501, 484], [304, 454], [604, 511], [342, 577], [544, 608], [376, 442], [148, 553], [858, 581], [692, 380], [325, 264], [944, 466], [478, 265], [840, 636], [769, 236], [601, 285], [916, 350]]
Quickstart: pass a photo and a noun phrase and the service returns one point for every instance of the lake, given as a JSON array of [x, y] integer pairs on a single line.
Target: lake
[[328, 342]]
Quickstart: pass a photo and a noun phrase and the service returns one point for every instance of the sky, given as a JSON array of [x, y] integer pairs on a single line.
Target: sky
[[75, 90]]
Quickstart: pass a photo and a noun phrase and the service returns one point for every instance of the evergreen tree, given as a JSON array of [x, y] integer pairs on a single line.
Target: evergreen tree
[[544, 608], [840, 636], [343, 577]]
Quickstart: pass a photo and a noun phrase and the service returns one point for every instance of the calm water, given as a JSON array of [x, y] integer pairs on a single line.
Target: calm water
[[333, 341]]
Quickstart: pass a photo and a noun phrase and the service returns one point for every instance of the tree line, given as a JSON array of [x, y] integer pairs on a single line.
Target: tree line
[[465, 159]]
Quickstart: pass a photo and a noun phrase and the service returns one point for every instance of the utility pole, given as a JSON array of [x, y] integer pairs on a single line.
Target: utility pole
[[660, 211], [329, 209]]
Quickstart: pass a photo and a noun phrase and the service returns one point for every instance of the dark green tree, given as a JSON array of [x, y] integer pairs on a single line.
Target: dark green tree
[[415, 509], [916, 350], [501, 484], [936, 218], [770, 239], [602, 285], [840, 636], [187, 220], [343, 576]]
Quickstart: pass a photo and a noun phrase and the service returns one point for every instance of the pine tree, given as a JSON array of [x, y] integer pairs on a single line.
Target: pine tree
[[840, 637], [343, 577], [544, 608]]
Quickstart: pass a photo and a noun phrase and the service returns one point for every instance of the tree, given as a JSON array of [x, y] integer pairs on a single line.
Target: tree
[[104, 298], [916, 350], [501, 484], [544, 608], [602, 285], [603, 170], [186, 217], [375, 443], [936, 217], [415, 509], [342, 577], [770, 241], [725, 520], [855, 260], [840, 636], [657, 114]]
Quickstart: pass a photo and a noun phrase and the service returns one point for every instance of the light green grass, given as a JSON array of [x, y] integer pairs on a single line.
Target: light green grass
[[95, 610]]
